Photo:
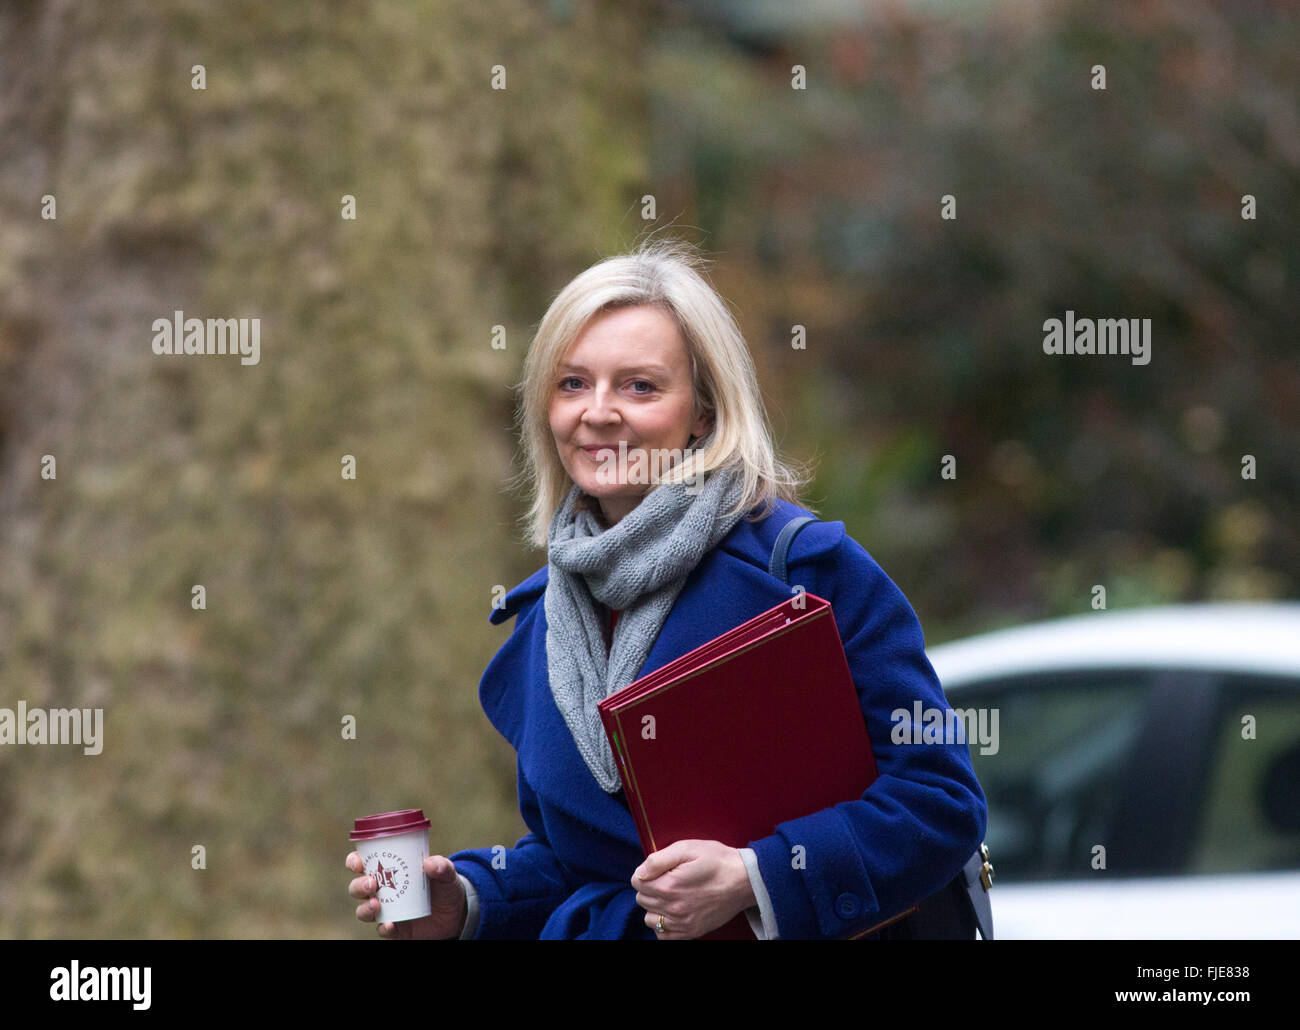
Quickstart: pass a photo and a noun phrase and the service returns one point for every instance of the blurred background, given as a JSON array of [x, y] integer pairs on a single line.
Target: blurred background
[[820, 207]]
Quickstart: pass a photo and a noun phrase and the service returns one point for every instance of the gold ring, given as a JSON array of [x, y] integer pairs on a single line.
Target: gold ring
[[659, 927]]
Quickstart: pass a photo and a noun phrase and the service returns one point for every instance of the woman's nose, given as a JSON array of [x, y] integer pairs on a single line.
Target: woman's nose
[[601, 408]]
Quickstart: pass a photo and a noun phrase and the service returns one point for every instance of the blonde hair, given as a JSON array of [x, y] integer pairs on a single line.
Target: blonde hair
[[668, 274]]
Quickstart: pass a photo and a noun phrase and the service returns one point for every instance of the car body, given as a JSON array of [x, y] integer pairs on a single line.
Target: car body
[[1144, 779]]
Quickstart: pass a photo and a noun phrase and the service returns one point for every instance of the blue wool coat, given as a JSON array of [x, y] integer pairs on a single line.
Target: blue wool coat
[[864, 860]]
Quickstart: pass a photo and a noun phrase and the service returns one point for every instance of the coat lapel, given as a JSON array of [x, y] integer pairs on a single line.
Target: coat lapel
[[722, 592]]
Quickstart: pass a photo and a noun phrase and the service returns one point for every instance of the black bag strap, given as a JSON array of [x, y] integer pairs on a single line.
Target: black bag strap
[[781, 549], [976, 876]]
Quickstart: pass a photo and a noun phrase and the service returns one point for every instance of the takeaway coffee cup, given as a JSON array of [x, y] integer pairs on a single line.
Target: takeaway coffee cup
[[393, 846]]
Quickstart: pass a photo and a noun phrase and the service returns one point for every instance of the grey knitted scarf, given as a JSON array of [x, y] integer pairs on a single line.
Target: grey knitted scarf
[[638, 566]]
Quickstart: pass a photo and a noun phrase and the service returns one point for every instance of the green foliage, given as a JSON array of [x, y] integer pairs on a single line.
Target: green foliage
[[925, 334]]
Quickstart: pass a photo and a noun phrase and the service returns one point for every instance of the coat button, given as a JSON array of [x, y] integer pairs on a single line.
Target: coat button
[[847, 906]]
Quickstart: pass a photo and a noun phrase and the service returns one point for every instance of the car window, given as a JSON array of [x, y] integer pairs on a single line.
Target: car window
[[1055, 781], [1251, 814]]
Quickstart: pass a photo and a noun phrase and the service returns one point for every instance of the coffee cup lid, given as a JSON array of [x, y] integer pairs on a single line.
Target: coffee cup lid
[[386, 824]]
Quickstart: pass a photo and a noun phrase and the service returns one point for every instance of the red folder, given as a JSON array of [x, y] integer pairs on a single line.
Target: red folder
[[756, 727]]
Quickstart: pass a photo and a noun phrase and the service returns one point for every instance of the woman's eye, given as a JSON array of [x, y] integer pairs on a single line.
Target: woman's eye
[[642, 382], [564, 383]]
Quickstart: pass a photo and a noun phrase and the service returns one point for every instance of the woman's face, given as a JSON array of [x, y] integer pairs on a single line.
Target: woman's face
[[626, 379]]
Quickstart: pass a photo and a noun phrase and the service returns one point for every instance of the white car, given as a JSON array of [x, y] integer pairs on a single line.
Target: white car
[[1144, 777]]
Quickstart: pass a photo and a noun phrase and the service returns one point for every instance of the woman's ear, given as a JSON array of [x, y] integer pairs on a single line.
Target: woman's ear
[[703, 426]]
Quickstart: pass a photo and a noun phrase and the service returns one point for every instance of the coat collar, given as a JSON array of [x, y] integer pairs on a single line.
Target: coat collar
[[749, 541]]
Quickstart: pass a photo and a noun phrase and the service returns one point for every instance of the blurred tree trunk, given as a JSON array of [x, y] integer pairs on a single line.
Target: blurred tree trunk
[[325, 597]]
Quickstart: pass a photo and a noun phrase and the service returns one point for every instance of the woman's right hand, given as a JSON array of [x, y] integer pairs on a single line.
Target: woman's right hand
[[446, 899]]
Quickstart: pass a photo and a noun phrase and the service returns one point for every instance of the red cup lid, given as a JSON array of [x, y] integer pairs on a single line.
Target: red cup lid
[[386, 824]]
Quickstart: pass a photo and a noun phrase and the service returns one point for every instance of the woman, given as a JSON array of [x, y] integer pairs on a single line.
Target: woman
[[638, 365]]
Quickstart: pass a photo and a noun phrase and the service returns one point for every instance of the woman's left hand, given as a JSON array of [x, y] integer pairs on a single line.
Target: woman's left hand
[[696, 885]]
